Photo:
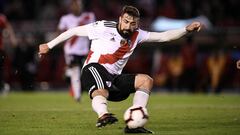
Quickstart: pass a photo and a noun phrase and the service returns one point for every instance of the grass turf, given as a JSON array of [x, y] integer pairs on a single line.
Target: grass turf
[[55, 113]]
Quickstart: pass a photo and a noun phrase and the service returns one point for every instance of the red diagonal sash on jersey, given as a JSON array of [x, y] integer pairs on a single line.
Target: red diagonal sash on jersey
[[119, 53], [74, 38], [89, 55]]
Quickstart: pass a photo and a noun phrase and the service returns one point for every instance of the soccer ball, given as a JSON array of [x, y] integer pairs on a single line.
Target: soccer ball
[[136, 116]]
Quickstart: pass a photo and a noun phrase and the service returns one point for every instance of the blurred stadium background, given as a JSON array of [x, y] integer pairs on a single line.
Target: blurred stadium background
[[202, 62]]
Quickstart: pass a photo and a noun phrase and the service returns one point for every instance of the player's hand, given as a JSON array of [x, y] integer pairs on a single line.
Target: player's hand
[[194, 26], [43, 49]]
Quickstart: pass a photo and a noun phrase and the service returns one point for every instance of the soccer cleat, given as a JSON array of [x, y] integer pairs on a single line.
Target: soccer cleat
[[137, 130], [106, 119]]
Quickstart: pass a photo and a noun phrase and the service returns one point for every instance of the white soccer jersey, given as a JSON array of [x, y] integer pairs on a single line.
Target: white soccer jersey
[[109, 48], [76, 45]]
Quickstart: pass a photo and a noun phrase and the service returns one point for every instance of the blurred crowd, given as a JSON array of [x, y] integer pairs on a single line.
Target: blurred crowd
[[220, 12], [189, 65], [195, 69]]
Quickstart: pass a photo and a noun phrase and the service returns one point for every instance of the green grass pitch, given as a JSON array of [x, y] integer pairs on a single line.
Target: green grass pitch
[[55, 113]]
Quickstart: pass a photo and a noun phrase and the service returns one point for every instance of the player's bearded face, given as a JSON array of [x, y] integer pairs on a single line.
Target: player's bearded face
[[127, 25]]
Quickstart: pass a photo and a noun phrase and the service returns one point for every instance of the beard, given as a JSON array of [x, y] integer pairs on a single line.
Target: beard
[[125, 33]]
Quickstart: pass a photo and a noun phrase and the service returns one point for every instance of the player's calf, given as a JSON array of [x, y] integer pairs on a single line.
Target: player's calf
[[143, 81]]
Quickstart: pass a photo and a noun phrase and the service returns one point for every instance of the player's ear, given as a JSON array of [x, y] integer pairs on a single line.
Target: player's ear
[[120, 19]]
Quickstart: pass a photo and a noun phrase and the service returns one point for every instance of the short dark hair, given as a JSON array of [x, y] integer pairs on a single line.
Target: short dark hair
[[131, 10]]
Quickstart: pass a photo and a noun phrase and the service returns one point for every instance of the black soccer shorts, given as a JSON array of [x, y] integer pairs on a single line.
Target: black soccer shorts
[[94, 76]]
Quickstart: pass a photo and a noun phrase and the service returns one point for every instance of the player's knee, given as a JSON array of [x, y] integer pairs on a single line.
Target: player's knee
[[101, 92], [143, 81]]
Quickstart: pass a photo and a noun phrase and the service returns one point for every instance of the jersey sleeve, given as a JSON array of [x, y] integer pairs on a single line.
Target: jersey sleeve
[[143, 35], [95, 30]]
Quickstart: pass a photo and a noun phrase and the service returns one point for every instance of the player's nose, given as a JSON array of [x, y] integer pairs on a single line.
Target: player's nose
[[128, 26]]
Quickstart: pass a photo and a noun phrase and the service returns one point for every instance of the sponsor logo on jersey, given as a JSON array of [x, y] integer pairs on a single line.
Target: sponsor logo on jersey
[[123, 42], [112, 39]]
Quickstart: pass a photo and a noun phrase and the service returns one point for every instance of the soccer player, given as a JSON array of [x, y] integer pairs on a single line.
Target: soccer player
[[112, 45], [76, 48], [7, 27]]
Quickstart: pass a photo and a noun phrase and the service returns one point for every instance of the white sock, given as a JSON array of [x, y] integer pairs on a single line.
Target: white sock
[[141, 98], [99, 105], [75, 82]]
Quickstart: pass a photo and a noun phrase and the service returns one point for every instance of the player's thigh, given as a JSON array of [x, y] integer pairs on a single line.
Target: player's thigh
[[122, 87], [125, 82], [95, 77]]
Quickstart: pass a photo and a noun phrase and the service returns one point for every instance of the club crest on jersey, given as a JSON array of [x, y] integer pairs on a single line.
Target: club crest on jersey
[[125, 41]]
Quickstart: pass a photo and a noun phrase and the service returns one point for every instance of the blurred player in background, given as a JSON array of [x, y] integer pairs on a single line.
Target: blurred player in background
[[112, 45], [76, 48], [7, 30]]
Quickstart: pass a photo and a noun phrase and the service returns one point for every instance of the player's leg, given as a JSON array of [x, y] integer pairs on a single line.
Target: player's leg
[[99, 101], [140, 84], [99, 105], [125, 84], [94, 78], [73, 72], [75, 82], [143, 85]]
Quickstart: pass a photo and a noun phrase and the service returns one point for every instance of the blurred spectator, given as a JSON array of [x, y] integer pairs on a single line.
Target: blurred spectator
[[175, 71], [216, 64], [6, 30]]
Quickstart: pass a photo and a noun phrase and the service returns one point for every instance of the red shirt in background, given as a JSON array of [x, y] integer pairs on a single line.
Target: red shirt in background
[[3, 23]]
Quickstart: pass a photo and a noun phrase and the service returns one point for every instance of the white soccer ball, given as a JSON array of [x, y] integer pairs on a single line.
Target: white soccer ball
[[136, 116]]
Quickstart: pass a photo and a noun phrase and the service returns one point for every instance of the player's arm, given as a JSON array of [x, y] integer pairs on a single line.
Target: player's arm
[[11, 33], [173, 34], [77, 31]]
